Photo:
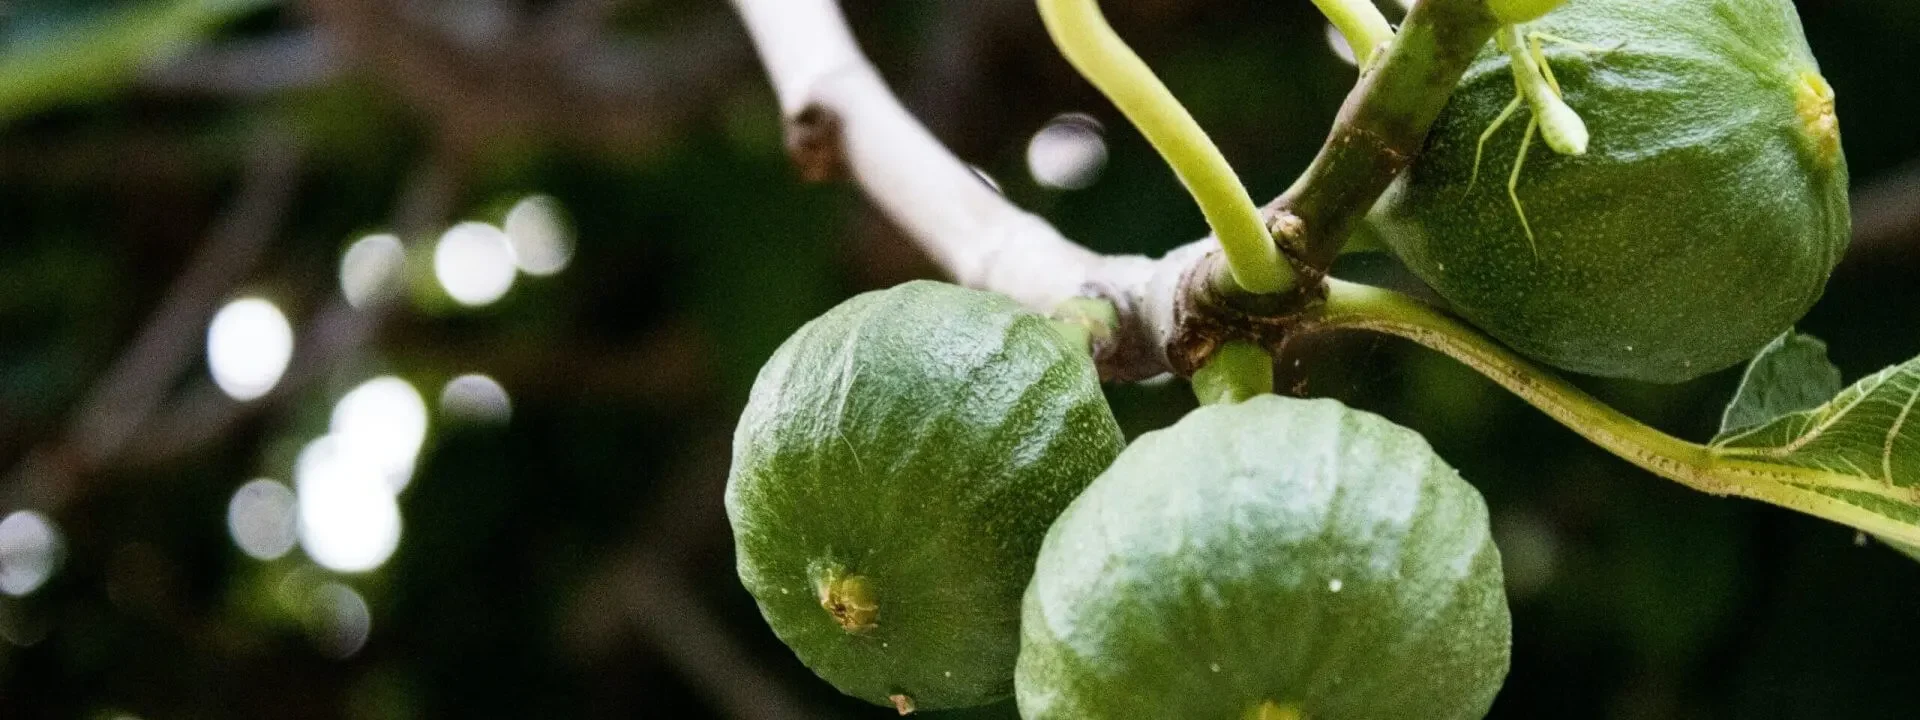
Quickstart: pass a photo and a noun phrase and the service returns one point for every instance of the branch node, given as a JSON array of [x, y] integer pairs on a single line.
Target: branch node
[[1212, 311], [815, 145]]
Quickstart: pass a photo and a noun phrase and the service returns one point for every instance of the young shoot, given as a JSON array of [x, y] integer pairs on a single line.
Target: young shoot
[[1093, 48]]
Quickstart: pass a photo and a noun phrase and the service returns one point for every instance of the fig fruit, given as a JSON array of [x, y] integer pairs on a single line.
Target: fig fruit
[[898, 463], [1277, 558], [1703, 219]]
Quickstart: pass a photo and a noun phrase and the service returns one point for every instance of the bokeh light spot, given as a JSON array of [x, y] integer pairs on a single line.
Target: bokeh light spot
[[1068, 153], [382, 424], [372, 269], [338, 620], [31, 548], [477, 399], [542, 236], [475, 264], [249, 344], [349, 519], [263, 519]]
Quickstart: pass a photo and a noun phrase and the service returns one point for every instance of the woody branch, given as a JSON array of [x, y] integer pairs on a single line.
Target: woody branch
[[1172, 311]]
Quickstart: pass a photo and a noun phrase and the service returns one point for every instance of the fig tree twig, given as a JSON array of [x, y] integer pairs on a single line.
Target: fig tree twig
[[1382, 126], [842, 120]]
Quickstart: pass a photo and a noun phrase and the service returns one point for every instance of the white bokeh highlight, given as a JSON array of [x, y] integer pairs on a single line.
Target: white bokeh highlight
[[249, 344], [1068, 153], [476, 399], [372, 270], [541, 235], [263, 519], [31, 549], [474, 263], [349, 517], [382, 424]]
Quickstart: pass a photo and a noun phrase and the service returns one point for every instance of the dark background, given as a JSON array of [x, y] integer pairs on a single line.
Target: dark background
[[575, 561]]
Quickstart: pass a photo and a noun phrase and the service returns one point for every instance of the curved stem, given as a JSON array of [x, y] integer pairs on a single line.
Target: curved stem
[[1093, 48], [1361, 23], [1368, 308]]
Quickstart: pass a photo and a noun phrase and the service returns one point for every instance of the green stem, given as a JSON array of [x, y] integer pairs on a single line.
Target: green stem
[[1237, 372], [1093, 48], [1383, 124], [1086, 322], [1352, 306], [1361, 23]]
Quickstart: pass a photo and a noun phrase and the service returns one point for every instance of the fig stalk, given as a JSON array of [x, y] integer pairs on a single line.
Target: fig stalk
[[1094, 49], [1237, 372]]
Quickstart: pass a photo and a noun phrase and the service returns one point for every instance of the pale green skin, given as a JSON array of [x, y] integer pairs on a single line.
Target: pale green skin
[[1196, 577], [1702, 222], [923, 437]]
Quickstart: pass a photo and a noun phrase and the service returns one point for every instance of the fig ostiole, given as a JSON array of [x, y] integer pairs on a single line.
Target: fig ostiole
[[898, 462]]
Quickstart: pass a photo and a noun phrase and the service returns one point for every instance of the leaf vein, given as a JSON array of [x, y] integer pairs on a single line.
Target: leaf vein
[[1893, 433]]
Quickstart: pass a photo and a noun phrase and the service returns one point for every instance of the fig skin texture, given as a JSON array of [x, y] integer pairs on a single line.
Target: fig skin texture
[[1702, 222], [897, 464], [1278, 558]]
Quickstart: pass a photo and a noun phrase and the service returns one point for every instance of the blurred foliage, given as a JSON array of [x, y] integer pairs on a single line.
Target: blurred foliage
[[538, 560]]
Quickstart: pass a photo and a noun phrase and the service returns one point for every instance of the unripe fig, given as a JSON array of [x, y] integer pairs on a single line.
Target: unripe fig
[[1278, 558], [1703, 220], [896, 467]]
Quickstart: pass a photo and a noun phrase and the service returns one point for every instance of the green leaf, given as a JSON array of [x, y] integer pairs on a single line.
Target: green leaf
[[1855, 458], [1790, 375], [91, 59]]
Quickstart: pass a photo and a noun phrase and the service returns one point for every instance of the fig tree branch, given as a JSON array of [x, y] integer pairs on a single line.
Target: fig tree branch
[[842, 120]]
